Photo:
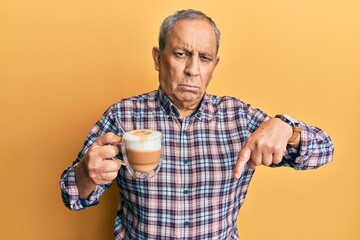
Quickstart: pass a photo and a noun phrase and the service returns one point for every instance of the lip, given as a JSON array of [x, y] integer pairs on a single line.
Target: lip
[[189, 87]]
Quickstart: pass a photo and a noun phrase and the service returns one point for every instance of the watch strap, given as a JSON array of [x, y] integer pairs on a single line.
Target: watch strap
[[295, 135], [294, 123]]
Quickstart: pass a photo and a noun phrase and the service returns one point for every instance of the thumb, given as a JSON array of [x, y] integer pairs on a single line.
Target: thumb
[[108, 138], [244, 157]]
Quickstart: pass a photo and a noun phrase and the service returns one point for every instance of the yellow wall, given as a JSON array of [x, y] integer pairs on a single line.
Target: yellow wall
[[63, 62]]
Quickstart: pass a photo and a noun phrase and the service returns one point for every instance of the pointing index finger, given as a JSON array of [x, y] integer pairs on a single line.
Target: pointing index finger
[[244, 157]]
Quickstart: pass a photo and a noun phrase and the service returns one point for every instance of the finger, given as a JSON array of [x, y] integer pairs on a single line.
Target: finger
[[110, 169], [267, 159], [108, 176], [108, 138], [277, 157], [111, 165], [243, 158], [255, 158], [107, 151], [252, 165]]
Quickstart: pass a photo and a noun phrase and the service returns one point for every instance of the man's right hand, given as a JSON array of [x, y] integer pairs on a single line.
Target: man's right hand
[[95, 168]]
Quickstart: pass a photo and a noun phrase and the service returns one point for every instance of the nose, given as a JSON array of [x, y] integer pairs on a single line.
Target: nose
[[192, 67]]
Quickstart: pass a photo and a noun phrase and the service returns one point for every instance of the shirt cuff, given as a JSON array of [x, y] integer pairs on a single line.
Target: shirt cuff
[[304, 157], [70, 192]]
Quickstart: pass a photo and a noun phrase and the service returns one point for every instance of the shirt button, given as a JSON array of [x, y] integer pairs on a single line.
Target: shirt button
[[184, 132], [186, 192], [186, 223], [186, 162]]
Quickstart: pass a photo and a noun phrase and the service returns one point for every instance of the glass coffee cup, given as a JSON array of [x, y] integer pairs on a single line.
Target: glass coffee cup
[[141, 151]]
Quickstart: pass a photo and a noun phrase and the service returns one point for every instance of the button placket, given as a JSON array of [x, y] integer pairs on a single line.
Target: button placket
[[185, 191]]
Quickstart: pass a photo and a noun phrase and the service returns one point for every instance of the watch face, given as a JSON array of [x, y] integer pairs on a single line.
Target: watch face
[[293, 121]]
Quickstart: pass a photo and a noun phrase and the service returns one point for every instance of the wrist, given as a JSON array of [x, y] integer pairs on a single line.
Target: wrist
[[294, 136], [84, 183], [294, 141]]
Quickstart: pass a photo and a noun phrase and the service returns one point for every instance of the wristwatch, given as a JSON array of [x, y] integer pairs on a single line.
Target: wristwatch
[[294, 123]]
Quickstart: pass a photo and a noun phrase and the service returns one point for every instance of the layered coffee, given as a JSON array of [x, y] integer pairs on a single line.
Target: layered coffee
[[143, 149]]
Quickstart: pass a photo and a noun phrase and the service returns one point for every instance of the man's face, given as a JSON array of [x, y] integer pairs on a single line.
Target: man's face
[[186, 64]]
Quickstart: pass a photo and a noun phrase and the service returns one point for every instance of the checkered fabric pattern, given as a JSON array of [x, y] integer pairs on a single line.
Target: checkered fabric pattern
[[194, 195]]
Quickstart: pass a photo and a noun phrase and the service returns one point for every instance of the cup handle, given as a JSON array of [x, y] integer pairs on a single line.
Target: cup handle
[[115, 158], [121, 161]]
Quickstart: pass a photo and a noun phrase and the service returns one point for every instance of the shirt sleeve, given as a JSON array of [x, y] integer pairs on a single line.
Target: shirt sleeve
[[69, 191], [316, 149]]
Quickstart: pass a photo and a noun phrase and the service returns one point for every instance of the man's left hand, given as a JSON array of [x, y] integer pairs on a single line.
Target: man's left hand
[[265, 146]]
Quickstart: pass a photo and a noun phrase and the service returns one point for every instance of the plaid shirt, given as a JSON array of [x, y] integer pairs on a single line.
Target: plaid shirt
[[194, 195]]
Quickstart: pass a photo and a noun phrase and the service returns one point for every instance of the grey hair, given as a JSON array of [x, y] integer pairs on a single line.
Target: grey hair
[[170, 21]]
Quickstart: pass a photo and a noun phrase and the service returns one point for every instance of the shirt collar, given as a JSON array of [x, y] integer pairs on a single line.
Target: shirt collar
[[165, 103], [204, 111]]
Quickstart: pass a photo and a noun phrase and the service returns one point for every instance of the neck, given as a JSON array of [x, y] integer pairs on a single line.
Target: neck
[[185, 113], [186, 110]]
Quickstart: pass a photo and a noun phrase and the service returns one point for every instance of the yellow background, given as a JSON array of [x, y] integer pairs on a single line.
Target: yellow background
[[62, 63]]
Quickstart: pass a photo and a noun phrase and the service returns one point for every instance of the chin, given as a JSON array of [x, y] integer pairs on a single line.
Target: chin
[[190, 99]]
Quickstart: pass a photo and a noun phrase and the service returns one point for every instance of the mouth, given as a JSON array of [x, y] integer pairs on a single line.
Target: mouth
[[189, 87]]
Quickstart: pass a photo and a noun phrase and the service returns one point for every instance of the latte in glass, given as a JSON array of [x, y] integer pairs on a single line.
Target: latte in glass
[[143, 149]]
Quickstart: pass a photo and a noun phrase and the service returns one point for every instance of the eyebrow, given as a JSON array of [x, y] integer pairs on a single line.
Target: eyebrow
[[201, 53]]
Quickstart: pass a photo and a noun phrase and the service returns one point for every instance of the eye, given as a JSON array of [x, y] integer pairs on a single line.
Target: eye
[[181, 54], [205, 58]]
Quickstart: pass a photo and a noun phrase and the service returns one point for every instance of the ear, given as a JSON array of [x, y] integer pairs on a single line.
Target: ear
[[156, 57], [217, 60]]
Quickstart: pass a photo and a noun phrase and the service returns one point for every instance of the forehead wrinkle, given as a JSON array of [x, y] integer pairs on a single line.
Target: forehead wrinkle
[[194, 47], [188, 39]]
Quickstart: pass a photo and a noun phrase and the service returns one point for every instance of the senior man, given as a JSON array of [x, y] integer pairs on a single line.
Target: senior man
[[212, 145]]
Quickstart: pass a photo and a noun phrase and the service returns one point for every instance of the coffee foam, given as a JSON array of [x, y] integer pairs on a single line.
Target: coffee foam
[[143, 140]]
